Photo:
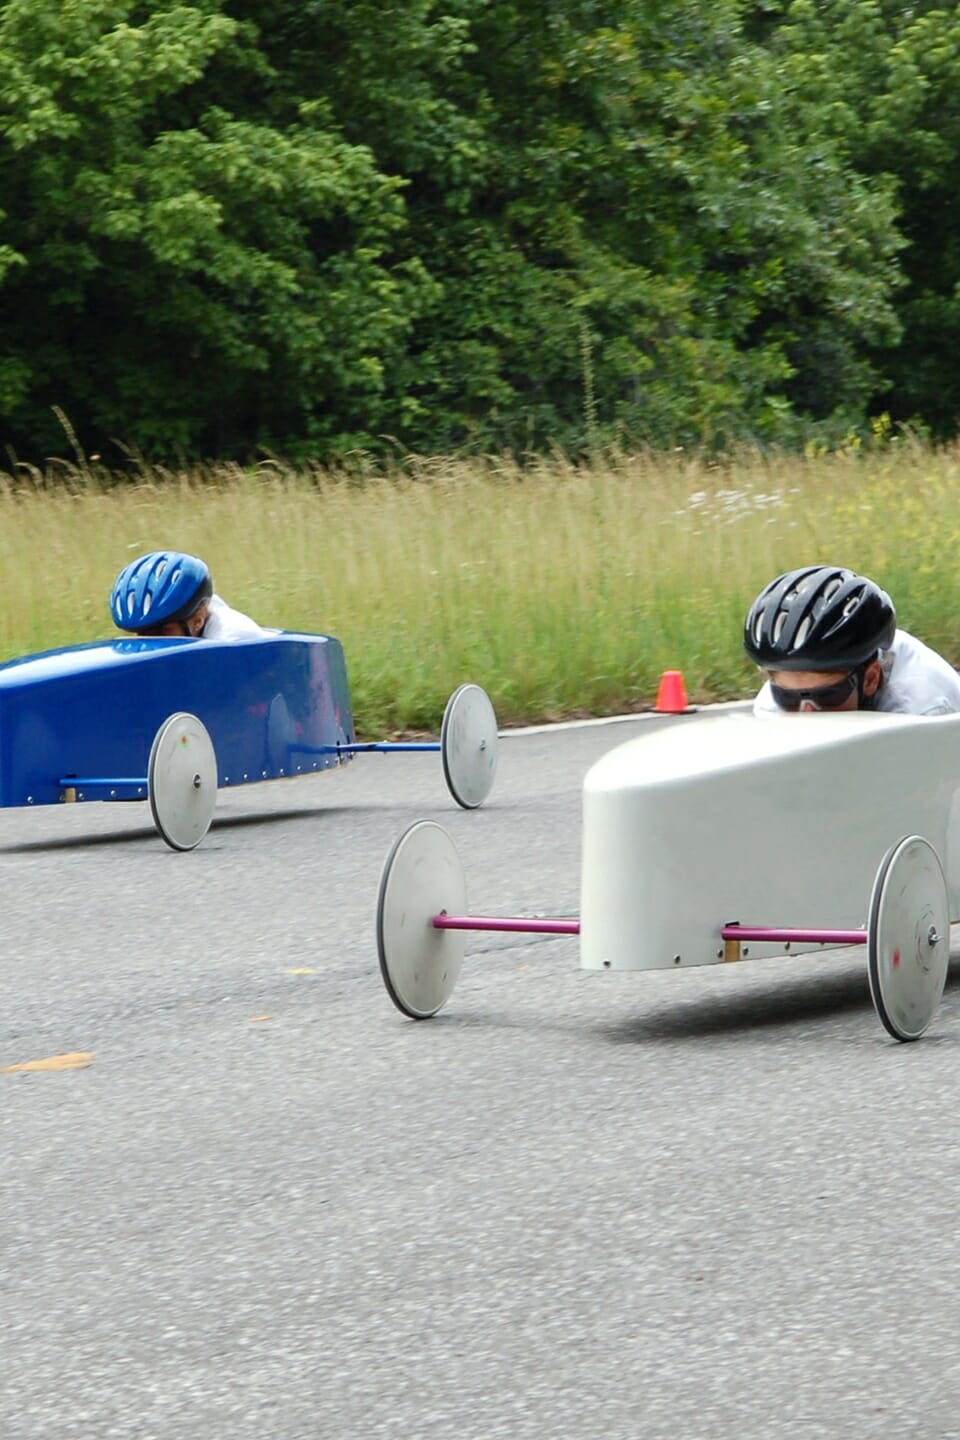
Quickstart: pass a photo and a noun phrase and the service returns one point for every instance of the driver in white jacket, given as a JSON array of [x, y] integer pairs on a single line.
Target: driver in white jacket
[[828, 640], [169, 593]]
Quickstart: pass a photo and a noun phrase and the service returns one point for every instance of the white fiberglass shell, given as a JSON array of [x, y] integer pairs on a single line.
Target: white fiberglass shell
[[778, 822]]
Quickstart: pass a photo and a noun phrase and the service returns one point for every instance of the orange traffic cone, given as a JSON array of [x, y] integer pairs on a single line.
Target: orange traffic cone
[[672, 695]]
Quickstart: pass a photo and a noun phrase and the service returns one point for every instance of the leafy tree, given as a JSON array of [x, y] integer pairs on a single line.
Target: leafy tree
[[637, 227], [309, 225], [885, 79], [914, 132], [172, 271]]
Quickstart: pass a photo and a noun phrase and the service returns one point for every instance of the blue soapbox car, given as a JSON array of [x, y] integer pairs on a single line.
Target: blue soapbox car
[[171, 720]]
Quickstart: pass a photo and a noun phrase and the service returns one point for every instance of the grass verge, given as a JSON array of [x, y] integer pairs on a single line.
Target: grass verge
[[563, 590]]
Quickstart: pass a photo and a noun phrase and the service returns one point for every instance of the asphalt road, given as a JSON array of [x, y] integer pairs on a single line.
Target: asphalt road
[[714, 1203]]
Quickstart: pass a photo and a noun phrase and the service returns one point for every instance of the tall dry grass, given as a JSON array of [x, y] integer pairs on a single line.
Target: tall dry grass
[[563, 589]]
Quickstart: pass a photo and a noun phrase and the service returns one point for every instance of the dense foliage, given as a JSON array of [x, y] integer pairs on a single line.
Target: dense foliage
[[310, 226]]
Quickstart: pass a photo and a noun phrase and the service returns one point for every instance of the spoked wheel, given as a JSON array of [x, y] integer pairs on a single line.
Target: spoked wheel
[[422, 877], [908, 937], [468, 744], [182, 781]]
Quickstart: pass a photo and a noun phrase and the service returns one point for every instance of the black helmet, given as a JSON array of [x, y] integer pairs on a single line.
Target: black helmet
[[819, 618]]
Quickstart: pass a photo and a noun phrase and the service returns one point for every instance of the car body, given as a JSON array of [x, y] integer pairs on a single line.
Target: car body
[[78, 723], [778, 821]]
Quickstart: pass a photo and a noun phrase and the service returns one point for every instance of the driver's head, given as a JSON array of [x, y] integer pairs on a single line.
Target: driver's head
[[163, 593], [819, 632]]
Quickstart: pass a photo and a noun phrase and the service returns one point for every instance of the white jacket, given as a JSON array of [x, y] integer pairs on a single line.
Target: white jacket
[[224, 623]]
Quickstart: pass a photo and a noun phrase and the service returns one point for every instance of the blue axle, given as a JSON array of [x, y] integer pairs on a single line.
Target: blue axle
[[386, 746]]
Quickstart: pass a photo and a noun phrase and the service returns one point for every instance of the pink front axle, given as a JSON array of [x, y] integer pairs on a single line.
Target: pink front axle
[[506, 922]]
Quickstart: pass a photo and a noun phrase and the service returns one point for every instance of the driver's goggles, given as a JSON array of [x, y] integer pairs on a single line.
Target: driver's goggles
[[824, 697]]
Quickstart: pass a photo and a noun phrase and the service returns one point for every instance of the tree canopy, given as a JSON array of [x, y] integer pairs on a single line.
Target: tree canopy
[[308, 227]]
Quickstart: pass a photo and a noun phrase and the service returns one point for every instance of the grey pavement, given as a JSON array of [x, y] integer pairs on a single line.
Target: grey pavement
[[715, 1203]]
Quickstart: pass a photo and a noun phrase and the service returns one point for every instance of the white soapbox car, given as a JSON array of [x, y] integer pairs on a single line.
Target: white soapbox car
[[728, 837]]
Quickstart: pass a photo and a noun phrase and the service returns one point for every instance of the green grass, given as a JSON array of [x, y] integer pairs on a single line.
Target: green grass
[[563, 590]]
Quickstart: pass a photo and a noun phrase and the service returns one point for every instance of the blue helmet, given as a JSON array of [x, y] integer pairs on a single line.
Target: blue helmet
[[164, 585]]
